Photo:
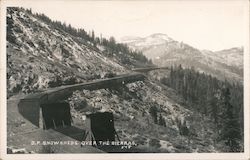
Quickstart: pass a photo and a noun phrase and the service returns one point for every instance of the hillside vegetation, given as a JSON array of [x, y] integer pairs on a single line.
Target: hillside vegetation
[[163, 113], [219, 100]]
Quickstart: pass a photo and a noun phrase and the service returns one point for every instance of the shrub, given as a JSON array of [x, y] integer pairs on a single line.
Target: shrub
[[154, 143]]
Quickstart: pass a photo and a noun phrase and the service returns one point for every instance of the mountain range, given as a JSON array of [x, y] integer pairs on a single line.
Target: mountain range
[[165, 51], [42, 54]]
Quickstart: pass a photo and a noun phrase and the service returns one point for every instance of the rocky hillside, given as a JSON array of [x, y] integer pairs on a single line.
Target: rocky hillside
[[41, 56], [165, 51]]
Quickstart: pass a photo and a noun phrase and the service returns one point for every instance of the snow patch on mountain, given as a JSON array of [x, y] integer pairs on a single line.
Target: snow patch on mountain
[[164, 51], [154, 39]]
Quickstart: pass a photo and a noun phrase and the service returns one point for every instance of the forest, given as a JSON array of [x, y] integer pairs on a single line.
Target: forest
[[222, 101]]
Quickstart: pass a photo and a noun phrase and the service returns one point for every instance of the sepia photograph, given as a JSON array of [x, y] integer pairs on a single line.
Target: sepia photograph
[[125, 79]]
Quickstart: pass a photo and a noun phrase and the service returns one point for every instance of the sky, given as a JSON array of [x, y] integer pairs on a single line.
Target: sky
[[212, 25]]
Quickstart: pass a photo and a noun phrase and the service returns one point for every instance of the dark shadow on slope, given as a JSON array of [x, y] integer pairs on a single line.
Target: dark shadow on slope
[[30, 109], [72, 132]]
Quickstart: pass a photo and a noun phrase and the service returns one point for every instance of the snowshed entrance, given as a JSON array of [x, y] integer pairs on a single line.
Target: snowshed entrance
[[56, 115], [100, 127]]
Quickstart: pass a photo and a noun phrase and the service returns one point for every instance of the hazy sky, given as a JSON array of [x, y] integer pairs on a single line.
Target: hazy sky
[[209, 25]]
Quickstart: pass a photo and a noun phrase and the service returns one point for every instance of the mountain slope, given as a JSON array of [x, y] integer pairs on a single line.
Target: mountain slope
[[41, 56], [165, 51]]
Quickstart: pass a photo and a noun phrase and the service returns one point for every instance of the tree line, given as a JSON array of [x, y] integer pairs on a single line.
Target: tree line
[[222, 101], [112, 48]]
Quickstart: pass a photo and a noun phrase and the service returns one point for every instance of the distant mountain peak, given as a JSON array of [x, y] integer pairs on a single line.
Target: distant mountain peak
[[153, 39], [164, 51], [235, 49], [161, 36], [128, 39]]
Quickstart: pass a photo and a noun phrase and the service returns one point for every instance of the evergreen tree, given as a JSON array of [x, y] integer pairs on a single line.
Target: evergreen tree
[[162, 121], [213, 107], [93, 35], [153, 113], [230, 131]]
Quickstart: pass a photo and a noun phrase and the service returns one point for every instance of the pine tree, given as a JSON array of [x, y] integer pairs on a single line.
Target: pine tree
[[162, 121], [153, 113], [213, 107], [171, 77], [230, 131]]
